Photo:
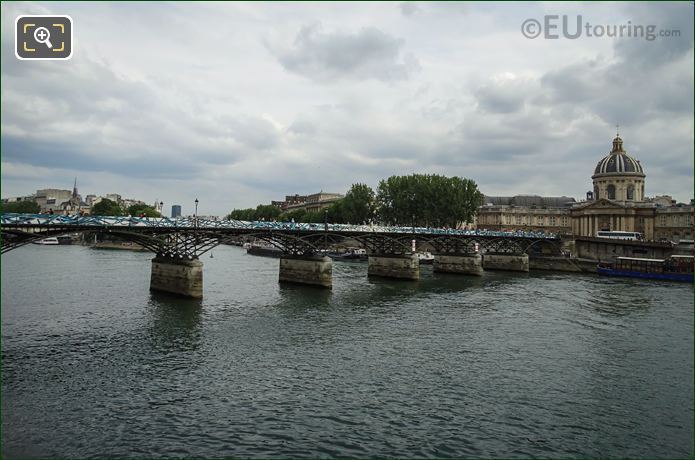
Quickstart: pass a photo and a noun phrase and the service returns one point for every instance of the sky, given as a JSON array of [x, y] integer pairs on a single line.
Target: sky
[[238, 104]]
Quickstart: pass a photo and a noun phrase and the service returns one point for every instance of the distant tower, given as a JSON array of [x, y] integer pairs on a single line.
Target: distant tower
[[176, 210], [76, 199]]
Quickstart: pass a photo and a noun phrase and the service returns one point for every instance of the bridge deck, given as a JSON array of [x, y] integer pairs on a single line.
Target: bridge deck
[[167, 225]]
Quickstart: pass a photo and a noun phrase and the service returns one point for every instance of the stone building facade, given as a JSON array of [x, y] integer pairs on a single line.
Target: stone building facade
[[674, 223], [526, 212], [617, 203], [311, 203]]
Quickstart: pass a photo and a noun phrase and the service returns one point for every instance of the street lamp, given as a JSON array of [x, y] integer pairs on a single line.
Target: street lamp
[[161, 209], [196, 212], [325, 228]]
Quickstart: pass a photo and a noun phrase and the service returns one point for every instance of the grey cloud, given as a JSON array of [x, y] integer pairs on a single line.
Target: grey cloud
[[395, 147], [409, 8], [85, 116], [325, 57], [503, 96], [255, 133], [303, 127], [610, 89], [642, 54], [659, 73], [80, 155], [161, 126]]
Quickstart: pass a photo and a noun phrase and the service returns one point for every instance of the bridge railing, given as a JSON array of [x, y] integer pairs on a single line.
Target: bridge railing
[[185, 223]]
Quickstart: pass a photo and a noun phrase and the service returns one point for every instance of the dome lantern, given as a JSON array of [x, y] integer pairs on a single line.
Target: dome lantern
[[618, 162]]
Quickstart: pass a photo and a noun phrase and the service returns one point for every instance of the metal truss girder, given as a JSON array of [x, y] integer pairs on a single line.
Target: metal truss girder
[[502, 246], [378, 243], [454, 245], [189, 238], [546, 247], [13, 238], [297, 244]]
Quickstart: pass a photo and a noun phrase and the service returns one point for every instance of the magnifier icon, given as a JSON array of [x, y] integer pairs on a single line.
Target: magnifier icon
[[42, 35]]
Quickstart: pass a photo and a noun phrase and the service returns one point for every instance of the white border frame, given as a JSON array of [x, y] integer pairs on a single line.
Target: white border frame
[[72, 40]]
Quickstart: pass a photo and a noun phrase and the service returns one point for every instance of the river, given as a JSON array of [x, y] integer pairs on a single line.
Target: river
[[506, 365]]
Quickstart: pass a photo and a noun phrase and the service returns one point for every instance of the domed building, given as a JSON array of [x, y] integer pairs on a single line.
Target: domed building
[[618, 176], [618, 203]]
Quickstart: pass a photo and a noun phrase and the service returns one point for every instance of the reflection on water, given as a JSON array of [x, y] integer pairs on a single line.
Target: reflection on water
[[504, 365], [176, 321], [294, 295]]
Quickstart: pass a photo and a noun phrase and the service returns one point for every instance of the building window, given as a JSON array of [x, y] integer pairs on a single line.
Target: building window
[[663, 221], [518, 220], [630, 192], [596, 192], [552, 221], [541, 220], [611, 192]]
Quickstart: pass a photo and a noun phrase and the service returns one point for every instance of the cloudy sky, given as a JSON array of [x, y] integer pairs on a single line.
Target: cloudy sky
[[241, 103]]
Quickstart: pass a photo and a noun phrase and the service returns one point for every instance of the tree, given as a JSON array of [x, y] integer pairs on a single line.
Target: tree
[[242, 214], [358, 205], [313, 217], [267, 212], [262, 212], [21, 207], [298, 215], [107, 207], [336, 212], [427, 200], [143, 209]]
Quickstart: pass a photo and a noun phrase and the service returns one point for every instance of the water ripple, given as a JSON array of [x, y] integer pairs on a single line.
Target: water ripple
[[505, 365]]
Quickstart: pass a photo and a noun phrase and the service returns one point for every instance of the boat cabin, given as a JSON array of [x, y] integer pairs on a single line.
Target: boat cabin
[[674, 264]]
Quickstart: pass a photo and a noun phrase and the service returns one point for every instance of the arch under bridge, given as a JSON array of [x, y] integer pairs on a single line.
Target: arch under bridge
[[179, 243]]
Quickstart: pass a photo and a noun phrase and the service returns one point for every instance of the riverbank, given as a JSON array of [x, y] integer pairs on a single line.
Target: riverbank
[[124, 245]]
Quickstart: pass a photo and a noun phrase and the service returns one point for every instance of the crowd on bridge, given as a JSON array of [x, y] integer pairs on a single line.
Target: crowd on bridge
[[193, 222], [272, 225]]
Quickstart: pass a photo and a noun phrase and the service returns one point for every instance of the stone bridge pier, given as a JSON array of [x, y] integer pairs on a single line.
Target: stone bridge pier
[[176, 275], [398, 266], [507, 261], [465, 264], [313, 270]]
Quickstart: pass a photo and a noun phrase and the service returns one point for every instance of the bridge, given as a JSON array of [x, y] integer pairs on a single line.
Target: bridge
[[179, 243]]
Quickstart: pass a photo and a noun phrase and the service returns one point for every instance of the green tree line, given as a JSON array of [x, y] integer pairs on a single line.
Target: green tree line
[[107, 207], [21, 207], [417, 199]]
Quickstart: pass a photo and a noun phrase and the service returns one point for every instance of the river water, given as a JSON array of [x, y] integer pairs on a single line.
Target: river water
[[508, 365]]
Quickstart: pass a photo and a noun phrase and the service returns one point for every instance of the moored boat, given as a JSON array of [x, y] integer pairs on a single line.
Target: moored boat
[[352, 254], [425, 258], [264, 251], [54, 240], [675, 268]]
